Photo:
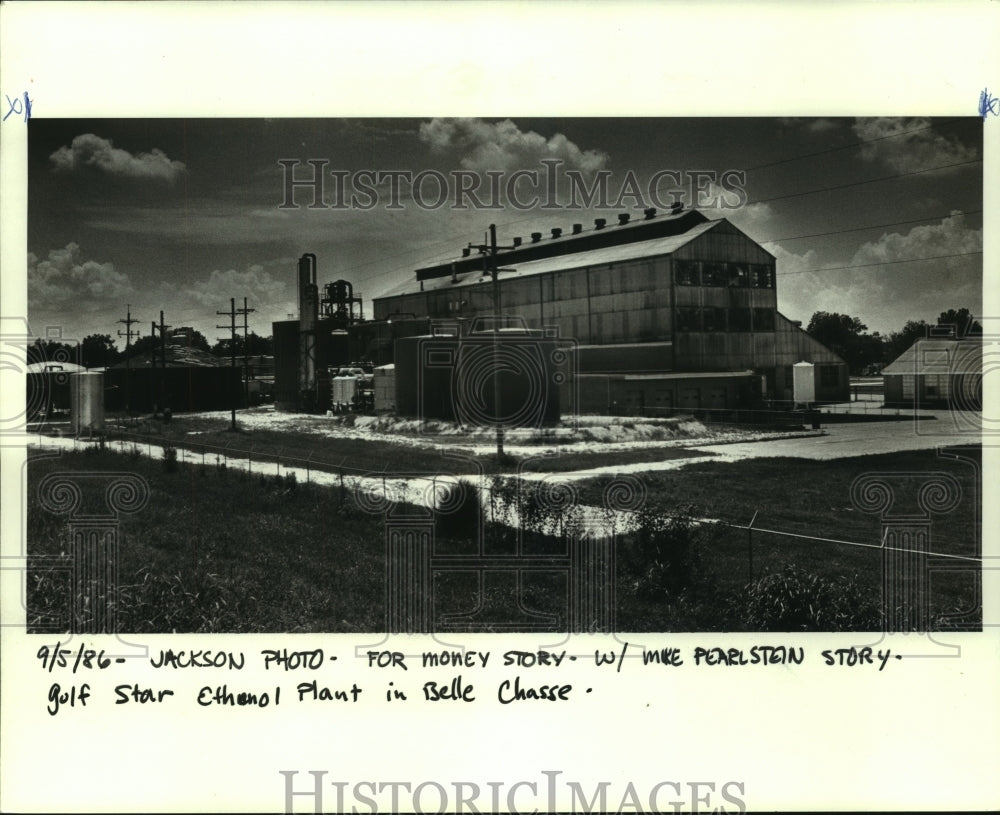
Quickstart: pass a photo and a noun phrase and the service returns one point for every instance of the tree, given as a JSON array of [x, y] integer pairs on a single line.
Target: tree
[[52, 351], [256, 345], [900, 341], [965, 324], [145, 344], [846, 337], [98, 351]]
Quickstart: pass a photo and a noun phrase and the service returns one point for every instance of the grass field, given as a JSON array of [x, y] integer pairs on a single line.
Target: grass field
[[216, 550]]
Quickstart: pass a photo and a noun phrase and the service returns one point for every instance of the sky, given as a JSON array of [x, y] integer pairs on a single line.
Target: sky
[[880, 218]]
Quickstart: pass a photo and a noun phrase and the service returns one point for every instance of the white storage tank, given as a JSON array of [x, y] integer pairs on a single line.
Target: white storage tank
[[385, 389], [803, 383], [86, 401]]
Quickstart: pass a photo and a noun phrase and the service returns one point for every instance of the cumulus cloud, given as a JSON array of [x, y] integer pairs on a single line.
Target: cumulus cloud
[[909, 151], [886, 297], [254, 283], [504, 146], [89, 150], [950, 237], [810, 124], [64, 278]]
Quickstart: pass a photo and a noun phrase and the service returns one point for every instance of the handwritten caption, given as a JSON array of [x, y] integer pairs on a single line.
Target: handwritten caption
[[530, 676]]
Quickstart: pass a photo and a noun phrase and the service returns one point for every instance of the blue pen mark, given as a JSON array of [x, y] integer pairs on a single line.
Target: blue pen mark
[[988, 104], [18, 106]]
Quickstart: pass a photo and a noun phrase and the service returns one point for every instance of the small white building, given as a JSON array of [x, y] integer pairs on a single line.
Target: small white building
[[937, 372]]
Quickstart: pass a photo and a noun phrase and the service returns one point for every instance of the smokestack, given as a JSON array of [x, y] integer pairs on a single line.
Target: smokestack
[[308, 317]]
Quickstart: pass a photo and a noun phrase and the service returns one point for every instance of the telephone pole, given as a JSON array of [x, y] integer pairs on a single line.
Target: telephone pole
[[232, 350], [246, 361], [129, 333], [490, 250], [162, 328]]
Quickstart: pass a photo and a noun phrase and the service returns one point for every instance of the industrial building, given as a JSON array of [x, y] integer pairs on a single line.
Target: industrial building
[[663, 312], [176, 377], [937, 372]]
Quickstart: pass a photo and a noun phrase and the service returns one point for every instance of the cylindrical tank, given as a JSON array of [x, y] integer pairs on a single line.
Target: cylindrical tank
[[87, 401], [804, 383]]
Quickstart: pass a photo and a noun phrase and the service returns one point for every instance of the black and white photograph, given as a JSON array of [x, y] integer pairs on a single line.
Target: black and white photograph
[[576, 375], [498, 407]]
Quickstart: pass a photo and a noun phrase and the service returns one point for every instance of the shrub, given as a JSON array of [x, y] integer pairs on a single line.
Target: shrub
[[460, 516], [797, 600], [170, 459], [662, 555]]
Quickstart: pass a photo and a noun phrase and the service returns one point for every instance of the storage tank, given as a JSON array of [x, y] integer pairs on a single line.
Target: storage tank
[[87, 401], [384, 379], [803, 383]]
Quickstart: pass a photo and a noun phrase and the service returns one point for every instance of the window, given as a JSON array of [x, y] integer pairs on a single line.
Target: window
[[687, 273], [761, 276], [739, 319], [738, 274], [688, 319], [763, 319], [713, 274], [714, 319]]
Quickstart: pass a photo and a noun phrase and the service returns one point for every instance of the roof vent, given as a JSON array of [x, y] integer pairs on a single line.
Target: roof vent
[[536, 237], [599, 223], [676, 207], [577, 229], [517, 241], [623, 218], [649, 213], [557, 232], [466, 251]]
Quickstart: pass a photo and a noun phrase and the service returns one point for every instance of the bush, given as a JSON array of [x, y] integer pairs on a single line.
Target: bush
[[662, 556], [170, 459], [460, 516], [797, 600]]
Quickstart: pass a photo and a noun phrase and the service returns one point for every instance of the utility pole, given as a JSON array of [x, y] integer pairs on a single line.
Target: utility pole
[[152, 365], [129, 333], [490, 250], [162, 328], [246, 364], [232, 349]]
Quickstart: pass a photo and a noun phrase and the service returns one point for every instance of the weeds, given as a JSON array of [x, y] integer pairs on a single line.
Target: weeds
[[170, 459]]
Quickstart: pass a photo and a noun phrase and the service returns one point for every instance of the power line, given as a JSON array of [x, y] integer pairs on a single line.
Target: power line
[[872, 226], [880, 263], [866, 181], [852, 144]]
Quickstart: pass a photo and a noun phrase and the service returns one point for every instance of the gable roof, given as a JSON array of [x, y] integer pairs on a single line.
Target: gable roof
[[939, 356], [639, 250]]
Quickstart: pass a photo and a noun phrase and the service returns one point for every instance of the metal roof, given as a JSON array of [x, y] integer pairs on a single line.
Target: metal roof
[[595, 257], [939, 356]]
